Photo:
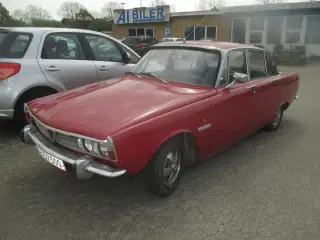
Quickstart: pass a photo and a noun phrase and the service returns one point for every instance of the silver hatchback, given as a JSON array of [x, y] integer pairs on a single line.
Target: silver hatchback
[[35, 62]]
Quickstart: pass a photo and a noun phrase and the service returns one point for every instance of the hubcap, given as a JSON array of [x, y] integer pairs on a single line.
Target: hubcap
[[172, 166], [277, 117]]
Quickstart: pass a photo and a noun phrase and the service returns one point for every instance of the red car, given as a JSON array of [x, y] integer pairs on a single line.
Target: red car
[[182, 103]]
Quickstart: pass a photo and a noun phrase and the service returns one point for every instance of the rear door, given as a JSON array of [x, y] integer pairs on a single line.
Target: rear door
[[266, 87], [64, 62], [107, 56]]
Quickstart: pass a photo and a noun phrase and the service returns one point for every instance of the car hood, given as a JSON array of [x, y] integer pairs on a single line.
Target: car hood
[[101, 109]]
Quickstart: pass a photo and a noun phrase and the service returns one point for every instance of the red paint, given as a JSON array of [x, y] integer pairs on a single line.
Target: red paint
[[140, 114]]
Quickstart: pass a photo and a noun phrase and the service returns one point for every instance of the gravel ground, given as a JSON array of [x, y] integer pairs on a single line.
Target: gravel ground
[[263, 188]]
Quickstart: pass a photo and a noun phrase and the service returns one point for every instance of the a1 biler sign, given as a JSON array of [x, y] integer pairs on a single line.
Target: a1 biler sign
[[142, 15]]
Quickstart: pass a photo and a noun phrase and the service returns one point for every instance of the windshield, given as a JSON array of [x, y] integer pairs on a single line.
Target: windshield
[[2, 35], [181, 65]]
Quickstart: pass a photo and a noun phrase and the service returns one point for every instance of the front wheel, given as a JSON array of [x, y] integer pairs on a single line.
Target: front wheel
[[165, 168], [274, 125]]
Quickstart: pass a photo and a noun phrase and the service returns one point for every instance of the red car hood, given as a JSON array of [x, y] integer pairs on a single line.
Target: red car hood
[[100, 109]]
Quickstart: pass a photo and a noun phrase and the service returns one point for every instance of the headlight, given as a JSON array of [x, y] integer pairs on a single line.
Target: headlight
[[107, 149], [88, 144]]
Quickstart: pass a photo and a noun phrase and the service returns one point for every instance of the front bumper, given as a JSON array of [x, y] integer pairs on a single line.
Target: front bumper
[[85, 166]]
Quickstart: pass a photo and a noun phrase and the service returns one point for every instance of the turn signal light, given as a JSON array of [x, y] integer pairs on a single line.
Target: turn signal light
[[8, 70]]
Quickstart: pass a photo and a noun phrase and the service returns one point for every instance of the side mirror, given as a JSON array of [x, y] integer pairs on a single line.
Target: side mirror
[[240, 77], [126, 57]]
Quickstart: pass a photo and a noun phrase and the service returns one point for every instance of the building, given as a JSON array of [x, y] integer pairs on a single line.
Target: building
[[267, 25]]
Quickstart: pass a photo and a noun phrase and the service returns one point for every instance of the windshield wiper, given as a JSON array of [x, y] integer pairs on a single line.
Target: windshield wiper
[[134, 73], [152, 75]]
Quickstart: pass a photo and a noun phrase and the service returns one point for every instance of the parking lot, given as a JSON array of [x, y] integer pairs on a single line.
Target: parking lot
[[266, 187]]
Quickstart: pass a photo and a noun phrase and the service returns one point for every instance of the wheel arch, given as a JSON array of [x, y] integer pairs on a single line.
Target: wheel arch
[[34, 88]]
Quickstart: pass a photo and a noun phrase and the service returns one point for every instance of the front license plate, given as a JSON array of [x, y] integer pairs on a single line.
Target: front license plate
[[51, 159]]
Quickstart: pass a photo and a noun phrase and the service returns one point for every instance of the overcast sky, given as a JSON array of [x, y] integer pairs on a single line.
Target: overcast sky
[[53, 5]]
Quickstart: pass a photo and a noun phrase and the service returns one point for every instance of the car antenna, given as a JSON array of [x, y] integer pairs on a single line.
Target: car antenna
[[184, 40]]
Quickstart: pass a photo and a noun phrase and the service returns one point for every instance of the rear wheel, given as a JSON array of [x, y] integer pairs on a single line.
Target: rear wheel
[[19, 115], [165, 168], [274, 125]]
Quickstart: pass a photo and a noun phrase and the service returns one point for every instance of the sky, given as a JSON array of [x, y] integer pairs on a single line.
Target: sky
[[53, 5]]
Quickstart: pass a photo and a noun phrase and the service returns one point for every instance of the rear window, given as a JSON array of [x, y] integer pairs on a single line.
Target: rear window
[[14, 44], [130, 40]]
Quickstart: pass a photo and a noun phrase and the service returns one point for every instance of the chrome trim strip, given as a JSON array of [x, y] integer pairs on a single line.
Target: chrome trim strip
[[68, 133], [204, 127]]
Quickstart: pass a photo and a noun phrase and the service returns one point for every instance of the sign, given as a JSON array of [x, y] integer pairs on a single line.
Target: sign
[[167, 31], [142, 15]]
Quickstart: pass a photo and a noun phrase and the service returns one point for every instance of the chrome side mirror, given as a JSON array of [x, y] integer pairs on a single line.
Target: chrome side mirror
[[238, 77]]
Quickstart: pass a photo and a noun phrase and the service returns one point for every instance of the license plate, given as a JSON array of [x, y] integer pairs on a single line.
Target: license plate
[[51, 159]]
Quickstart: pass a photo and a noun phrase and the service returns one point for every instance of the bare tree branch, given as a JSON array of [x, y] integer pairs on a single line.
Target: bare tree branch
[[271, 1], [155, 3], [107, 9], [70, 9], [210, 4], [31, 13]]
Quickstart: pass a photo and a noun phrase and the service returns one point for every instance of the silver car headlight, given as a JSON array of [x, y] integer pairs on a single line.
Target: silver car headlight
[[107, 149]]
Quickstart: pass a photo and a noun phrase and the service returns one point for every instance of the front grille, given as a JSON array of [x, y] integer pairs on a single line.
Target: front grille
[[67, 141]]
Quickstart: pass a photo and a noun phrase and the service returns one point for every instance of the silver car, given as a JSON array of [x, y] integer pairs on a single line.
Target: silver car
[[35, 62]]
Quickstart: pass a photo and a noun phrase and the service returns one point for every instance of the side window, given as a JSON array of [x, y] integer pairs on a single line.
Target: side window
[[257, 64], [104, 49], [64, 46], [271, 65]]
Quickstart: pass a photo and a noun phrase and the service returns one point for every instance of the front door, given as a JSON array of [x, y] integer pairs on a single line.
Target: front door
[[233, 114], [107, 57], [63, 61]]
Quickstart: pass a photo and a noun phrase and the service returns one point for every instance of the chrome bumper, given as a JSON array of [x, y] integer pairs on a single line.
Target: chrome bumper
[[85, 166]]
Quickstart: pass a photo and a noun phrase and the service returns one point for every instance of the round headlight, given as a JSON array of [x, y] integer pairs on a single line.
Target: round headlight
[[88, 145], [103, 148], [80, 143]]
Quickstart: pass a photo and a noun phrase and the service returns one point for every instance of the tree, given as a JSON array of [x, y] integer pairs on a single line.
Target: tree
[[271, 1], [155, 3], [210, 4], [70, 10], [31, 13], [83, 14], [172, 8], [95, 14], [46, 23], [100, 25], [109, 7], [4, 14]]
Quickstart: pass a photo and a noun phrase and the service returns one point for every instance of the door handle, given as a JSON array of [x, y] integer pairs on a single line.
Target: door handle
[[103, 68], [52, 69], [253, 88]]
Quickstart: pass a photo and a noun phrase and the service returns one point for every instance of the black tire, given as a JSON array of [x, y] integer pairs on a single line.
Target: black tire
[[276, 122], [157, 182], [19, 115]]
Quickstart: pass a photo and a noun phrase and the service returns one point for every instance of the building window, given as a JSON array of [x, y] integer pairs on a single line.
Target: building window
[[200, 32], [293, 29], [141, 32], [274, 30], [239, 30], [256, 30], [312, 32]]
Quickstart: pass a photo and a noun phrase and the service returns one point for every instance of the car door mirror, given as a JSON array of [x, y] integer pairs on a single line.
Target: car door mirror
[[126, 57], [240, 77]]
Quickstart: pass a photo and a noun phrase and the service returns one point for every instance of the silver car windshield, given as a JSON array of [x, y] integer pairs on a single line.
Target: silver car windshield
[[181, 65]]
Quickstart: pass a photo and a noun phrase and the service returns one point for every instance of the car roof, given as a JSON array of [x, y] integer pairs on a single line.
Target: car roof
[[207, 45], [45, 29]]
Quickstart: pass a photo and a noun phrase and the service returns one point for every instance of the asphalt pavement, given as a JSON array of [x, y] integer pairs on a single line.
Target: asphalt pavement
[[266, 187]]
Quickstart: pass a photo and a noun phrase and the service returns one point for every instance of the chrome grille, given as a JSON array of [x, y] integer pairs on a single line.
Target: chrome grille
[[67, 141]]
